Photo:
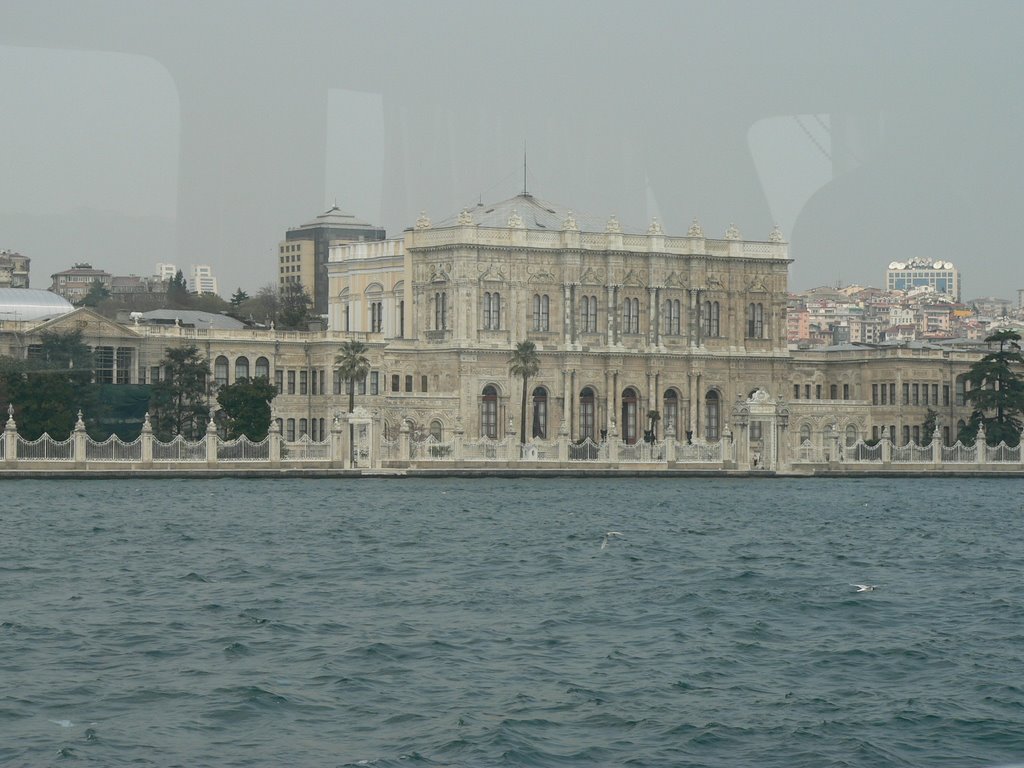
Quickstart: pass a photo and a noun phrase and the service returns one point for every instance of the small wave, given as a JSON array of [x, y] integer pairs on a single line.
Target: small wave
[[193, 576]]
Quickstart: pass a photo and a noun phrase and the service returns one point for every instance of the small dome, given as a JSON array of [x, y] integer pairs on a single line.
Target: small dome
[[31, 304]]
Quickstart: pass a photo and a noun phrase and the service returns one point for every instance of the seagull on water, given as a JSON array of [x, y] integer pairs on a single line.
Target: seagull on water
[[608, 537], [865, 587]]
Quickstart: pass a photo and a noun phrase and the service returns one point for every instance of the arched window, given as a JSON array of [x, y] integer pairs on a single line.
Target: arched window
[[303, 428], [436, 430], [492, 311], [709, 318], [916, 435], [588, 314], [587, 408], [440, 311], [712, 415], [489, 413], [629, 415], [540, 413], [262, 368], [851, 435], [670, 411], [755, 321], [220, 371], [540, 312], [241, 368], [672, 317], [631, 316], [376, 316], [805, 433]]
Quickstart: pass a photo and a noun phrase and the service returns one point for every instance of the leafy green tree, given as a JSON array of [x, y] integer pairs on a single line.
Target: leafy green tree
[[178, 405], [997, 392], [246, 406], [98, 293], [295, 309], [51, 386], [525, 363], [931, 419], [352, 365], [237, 298], [178, 296]]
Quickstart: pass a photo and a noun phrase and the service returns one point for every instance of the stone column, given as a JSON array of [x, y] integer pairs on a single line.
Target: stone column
[[937, 446], [337, 442], [613, 443], [728, 461], [566, 389], [403, 441], [79, 436], [211, 442], [458, 435], [980, 446], [563, 442], [275, 443], [886, 450], [609, 294], [147, 442], [670, 443], [568, 334], [652, 324]]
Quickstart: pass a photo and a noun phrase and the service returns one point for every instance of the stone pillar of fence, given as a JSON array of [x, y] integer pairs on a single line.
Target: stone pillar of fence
[[936, 446], [338, 432], [211, 442], [833, 447], [79, 436], [458, 435], [727, 457], [1020, 442], [147, 442], [980, 452], [274, 444], [10, 438], [670, 444], [403, 441], [886, 444], [613, 443]]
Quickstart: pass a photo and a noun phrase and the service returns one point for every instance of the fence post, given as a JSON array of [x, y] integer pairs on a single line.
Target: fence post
[[403, 441], [337, 442], [936, 446], [563, 442], [980, 446], [613, 444], [886, 450], [211, 442], [147, 442], [78, 443], [275, 443], [670, 444], [727, 460], [457, 437], [1020, 443], [10, 438]]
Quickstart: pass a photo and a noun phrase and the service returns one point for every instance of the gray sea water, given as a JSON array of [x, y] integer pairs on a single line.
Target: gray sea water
[[473, 622]]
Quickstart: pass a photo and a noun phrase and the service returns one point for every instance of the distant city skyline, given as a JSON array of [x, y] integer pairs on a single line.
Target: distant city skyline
[[133, 134]]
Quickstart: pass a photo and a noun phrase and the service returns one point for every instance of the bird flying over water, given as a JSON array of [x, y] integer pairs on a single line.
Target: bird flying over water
[[865, 587], [608, 537]]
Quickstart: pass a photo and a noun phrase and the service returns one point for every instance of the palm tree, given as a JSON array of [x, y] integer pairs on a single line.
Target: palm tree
[[525, 362], [353, 365]]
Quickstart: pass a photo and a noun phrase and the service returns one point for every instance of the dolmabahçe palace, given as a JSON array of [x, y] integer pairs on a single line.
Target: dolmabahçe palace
[[625, 322]]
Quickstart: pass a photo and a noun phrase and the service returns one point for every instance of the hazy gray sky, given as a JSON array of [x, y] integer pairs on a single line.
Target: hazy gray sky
[[137, 131]]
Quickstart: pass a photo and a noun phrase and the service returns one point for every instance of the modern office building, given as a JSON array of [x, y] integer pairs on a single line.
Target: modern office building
[[303, 254], [201, 279], [941, 276]]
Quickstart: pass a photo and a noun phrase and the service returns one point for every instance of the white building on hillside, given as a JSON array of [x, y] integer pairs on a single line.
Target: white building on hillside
[[201, 279]]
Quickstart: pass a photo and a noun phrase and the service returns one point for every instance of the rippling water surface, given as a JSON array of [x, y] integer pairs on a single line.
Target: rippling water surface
[[480, 623]]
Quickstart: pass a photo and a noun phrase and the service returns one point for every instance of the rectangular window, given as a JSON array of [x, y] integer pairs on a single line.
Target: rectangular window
[[124, 365], [807, 391], [408, 383], [935, 394], [290, 434], [374, 382], [945, 394], [303, 382], [423, 383], [892, 396], [885, 395], [915, 396], [395, 385], [291, 382], [817, 391], [336, 381], [906, 394], [796, 391], [362, 386], [846, 391], [313, 383], [154, 374], [279, 381], [924, 394]]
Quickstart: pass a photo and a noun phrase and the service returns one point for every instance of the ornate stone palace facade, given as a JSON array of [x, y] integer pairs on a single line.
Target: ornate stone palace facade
[[626, 323]]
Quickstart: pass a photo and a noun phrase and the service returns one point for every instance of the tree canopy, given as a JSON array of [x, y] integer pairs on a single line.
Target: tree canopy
[[295, 308], [246, 407], [997, 392], [178, 296], [178, 405]]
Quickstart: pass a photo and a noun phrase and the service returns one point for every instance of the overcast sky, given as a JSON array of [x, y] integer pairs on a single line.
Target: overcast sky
[[136, 132]]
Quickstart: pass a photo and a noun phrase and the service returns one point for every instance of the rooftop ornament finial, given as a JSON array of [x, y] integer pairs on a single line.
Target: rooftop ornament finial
[[515, 221], [732, 233], [423, 222], [613, 225], [775, 236], [695, 230], [465, 218], [655, 228], [570, 223]]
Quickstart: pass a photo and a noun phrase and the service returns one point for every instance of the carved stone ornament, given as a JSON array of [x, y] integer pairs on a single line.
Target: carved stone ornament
[[732, 233], [760, 396], [775, 236], [423, 222], [613, 225], [492, 275], [632, 278], [542, 275], [592, 277], [515, 221], [465, 217], [757, 285], [675, 281], [569, 224], [438, 273], [655, 228], [714, 282], [695, 230]]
